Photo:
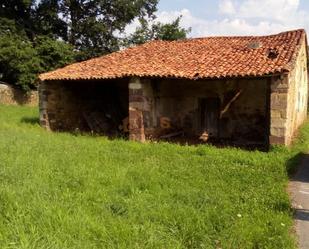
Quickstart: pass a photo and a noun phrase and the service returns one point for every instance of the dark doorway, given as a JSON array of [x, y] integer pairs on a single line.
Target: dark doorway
[[99, 107], [209, 116]]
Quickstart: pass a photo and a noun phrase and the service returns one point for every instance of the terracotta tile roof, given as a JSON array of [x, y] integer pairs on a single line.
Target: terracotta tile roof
[[213, 57]]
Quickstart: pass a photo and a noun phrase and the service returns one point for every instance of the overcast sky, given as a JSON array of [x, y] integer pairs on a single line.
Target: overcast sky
[[236, 17]]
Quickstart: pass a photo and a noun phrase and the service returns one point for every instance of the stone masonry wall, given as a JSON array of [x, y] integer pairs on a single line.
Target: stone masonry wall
[[288, 101], [298, 94], [13, 96], [159, 107], [83, 105], [278, 109], [58, 107], [272, 106], [244, 119]]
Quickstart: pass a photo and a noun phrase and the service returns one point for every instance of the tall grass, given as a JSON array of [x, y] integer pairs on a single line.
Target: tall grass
[[61, 191]]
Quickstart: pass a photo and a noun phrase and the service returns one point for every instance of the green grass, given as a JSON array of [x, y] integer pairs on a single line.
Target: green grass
[[63, 191]]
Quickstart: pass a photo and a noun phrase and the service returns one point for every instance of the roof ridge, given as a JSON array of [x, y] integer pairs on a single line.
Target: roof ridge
[[232, 36]]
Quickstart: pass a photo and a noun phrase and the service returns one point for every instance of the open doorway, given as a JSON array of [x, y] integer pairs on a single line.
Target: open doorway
[[209, 117], [98, 107]]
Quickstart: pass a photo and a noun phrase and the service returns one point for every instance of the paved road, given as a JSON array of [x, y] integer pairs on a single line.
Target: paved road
[[299, 191]]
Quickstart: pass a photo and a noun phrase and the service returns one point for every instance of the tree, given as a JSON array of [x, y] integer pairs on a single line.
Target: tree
[[93, 25], [41, 35], [27, 47], [47, 20], [20, 11], [157, 31], [53, 53], [22, 59], [19, 62]]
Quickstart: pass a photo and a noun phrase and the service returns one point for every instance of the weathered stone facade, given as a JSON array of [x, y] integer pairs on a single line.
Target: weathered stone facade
[[167, 106], [289, 101], [10, 95], [243, 111]]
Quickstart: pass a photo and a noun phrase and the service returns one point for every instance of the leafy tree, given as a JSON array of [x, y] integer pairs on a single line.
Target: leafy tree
[[53, 53], [22, 59], [170, 31], [48, 21], [20, 11], [19, 62], [41, 35], [93, 25], [157, 31], [8, 26]]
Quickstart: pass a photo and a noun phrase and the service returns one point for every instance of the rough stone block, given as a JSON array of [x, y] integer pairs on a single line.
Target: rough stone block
[[279, 101], [274, 140], [43, 122], [278, 132], [135, 85], [137, 137], [275, 114], [278, 113], [43, 105], [278, 123], [142, 106]]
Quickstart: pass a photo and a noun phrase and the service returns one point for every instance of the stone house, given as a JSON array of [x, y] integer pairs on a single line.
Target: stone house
[[236, 90]]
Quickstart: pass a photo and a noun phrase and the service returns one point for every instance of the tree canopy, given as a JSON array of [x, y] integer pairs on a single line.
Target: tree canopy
[[157, 31], [41, 35]]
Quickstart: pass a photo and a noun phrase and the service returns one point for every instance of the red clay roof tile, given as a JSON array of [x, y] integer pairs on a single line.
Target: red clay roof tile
[[212, 57]]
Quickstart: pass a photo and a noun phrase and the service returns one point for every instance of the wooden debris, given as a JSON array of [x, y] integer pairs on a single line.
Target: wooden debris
[[227, 106], [97, 122]]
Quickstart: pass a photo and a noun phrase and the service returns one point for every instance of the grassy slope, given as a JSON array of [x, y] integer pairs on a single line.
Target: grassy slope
[[65, 191]]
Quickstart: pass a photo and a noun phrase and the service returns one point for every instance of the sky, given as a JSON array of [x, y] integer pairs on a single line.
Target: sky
[[236, 17]]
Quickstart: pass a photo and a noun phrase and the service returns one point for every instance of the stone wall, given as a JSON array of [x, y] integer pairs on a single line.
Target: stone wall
[[298, 94], [13, 96], [58, 110], [166, 106], [289, 101], [252, 110]]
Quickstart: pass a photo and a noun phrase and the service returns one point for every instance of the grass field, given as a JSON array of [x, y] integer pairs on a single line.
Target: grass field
[[67, 191]]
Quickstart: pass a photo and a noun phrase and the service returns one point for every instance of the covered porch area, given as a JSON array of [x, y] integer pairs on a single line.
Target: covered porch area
[[92, 106]]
